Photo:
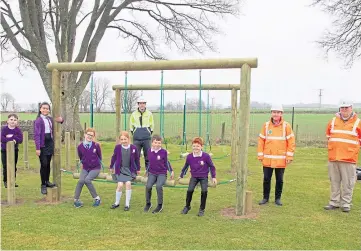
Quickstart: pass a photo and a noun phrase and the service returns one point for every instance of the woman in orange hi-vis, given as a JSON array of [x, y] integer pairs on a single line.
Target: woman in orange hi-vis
[[344, 139], [276, 147]]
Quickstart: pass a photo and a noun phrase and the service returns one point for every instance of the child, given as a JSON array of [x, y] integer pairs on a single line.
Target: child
[[200, 164], [157, 173], [90, 156], [124, 165], [10, 132], [44, 143]]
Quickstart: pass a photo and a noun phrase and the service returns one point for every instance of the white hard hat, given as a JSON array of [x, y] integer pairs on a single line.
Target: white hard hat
[[141, 99], [345, 103], [277, 107]]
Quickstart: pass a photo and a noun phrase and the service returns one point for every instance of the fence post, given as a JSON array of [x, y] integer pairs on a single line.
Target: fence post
[[26, 148], [10, 163], [223, 131]]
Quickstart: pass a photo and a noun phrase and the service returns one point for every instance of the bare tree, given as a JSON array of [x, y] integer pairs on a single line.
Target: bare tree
[[34, 107], [345, 36], [6, 100], [34, 25], [100, 93], [112, 104], [84, 101], [131, 97]]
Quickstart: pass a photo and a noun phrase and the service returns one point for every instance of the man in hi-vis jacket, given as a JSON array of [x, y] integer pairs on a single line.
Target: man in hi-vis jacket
[[141, 127]]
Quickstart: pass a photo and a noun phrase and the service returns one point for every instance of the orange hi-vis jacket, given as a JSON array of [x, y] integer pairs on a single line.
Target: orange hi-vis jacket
[[276, 144], [344, 139]]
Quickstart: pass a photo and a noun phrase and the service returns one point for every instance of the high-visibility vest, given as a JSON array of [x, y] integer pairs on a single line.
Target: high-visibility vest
[[344, 139], [276, 144]]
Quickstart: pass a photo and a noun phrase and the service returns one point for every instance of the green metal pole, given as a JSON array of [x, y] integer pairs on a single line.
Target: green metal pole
[[125, 100], [200, 104], [161, 106], [184, 117], [91, 101], [207, 137]]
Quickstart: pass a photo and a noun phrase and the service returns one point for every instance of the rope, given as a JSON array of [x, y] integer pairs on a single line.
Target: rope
[[200, 104], [162, 109], [141, 184], [125, 102]]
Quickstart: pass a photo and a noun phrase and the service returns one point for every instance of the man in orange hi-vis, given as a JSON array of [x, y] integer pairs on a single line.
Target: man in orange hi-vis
[[344, 139], [276, 147]]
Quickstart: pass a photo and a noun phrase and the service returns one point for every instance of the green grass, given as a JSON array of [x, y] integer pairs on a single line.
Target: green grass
[[310, 128], [300, 224]]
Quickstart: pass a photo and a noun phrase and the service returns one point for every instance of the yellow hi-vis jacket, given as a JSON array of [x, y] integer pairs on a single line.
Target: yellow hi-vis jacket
[[141, 125], [276, 144]]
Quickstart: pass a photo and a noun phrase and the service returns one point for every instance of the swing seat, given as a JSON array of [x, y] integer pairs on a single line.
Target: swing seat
[[185, 181], [100, 176], [144, 180], [109, 177], [138, 178], [171, 183], [76, 175]]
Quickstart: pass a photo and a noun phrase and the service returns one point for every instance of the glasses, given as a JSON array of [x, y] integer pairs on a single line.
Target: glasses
[[345, 107], [90, 135]]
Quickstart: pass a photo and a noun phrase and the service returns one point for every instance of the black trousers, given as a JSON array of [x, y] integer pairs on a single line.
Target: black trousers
[[145, 144], [204, 191], [44, 167], [267, 177], [3, 160]]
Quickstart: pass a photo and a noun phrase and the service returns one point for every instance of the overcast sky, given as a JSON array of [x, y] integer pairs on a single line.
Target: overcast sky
[[280, 33]]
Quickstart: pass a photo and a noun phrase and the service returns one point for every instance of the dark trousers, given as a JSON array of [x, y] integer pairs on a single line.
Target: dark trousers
[[159, 180], [267, 177], [44, 167], [204, 191], [4, 162], [145, 144]]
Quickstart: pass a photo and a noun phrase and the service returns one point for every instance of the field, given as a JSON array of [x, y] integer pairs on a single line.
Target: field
[[309, 127], [300, 224]]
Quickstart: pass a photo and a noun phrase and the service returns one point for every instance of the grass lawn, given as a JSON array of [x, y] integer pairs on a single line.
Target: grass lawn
[[300, 224]]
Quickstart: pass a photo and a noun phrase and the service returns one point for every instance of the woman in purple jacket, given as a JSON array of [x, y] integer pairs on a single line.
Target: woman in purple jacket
[[90, 156], [200, 164], [44, 143], [10, 132], [124, 166]]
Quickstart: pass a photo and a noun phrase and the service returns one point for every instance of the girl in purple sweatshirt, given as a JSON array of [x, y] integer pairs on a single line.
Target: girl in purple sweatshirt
[[10, 132], [44, 143], [200, 164], [124, 166], [90, 156], [157, 173]]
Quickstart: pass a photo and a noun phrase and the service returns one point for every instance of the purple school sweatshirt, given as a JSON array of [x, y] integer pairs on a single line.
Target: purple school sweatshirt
[[200, 166], [116, 160], [158, 162], [90, 158], [39, 131], [17, 135]]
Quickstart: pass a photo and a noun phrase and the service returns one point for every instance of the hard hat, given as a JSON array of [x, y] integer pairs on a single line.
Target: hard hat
[[277, 107], [345, 103], [141, 99]]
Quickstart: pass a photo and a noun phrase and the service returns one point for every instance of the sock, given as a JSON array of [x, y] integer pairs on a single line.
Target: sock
[[127, 197], [117, 197], [97, 198]]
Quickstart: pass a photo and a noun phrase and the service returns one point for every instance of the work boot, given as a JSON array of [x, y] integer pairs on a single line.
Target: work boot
[[262, 202], [330, 207], [345, 209], [43, 189], [278, 202], [185, 210]]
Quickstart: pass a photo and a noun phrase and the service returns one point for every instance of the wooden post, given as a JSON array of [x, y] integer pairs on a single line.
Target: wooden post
[[57, 130], [26, 149], [76, 143], [248, 202], [52, 195], [118, 113], [67, 150], [234, 131], [222, 132], [10, 163], [243, 139]]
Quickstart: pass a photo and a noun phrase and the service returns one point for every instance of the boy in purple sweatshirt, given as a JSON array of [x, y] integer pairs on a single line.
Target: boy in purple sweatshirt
[[200, 164], [157, 168], [90, 156], [10, 132]]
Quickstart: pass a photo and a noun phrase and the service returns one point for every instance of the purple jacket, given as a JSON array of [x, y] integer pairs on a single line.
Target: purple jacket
[[39, 131], [17, 136], [200, 166], [158, 162], [90, 158], [116, 161]]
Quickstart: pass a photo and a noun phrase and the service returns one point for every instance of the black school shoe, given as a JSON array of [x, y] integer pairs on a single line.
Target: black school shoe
[[158, 209], [6, 184], [49, 184], [43, 189], [147, 208], [114, 206], [200, 213], [185, 210], [126, 208]]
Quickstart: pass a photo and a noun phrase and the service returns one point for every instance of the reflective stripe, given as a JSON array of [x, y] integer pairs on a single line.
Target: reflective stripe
[[289, 153], [344, 132], [260, 154], [355, 126], [290, 136], [276, 138], [283, 137], [352, 132], [274, 157], [344, 141], [262, 136]]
